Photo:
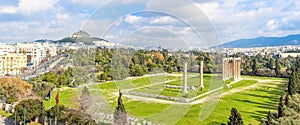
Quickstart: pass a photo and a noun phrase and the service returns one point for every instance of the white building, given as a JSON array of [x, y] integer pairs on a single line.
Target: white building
[[32, 51], [36, 51], [7, 48]]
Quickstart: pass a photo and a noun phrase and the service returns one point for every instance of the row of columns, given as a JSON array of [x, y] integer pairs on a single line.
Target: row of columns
[[231, 68], [201, 85]]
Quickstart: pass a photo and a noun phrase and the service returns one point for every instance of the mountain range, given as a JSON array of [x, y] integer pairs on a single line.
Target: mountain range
[[264, 42], [83, 36]]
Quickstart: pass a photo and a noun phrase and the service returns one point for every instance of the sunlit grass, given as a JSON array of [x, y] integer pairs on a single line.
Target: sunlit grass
[[253, 105]]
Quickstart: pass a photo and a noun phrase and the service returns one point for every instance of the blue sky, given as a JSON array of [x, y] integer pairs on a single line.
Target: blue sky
[[28, 20]]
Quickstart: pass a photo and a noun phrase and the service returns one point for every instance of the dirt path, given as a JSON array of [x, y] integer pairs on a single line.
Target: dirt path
[[235, 90]]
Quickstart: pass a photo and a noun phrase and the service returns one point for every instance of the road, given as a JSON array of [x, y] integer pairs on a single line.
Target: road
[[43, 68]]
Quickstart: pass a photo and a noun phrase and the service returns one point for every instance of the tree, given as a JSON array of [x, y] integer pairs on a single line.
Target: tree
[[14, 89], [271, 63], [158, 56], [288, 107], [51, 77], [120, 116], [294, 81], [277, 68], [70, 116], [280, 107], [32, 108], [254, 66], [235, 118], [62, 79]]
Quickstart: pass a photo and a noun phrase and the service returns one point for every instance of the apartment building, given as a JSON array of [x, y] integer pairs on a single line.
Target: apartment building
[[12, 63], [36, 51]]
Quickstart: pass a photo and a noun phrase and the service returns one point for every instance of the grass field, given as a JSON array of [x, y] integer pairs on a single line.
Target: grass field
[[67, 97], [253, 104], [264, 78], [192, 81], [242, 83]]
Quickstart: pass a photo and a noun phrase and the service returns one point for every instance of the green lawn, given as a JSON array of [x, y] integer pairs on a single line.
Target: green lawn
[[143, 109], [192, 81], [264, 78], [252, 104], [67, 97], [242, 83]]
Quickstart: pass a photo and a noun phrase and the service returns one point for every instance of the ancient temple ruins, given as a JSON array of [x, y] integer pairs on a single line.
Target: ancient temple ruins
[[231, 68]]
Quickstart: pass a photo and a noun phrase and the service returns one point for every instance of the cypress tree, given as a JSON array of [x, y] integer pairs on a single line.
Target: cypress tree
[[235, 118], [254, 66], [280, 106], [277, 68], [294, 83], [120, 116], [286, 101]]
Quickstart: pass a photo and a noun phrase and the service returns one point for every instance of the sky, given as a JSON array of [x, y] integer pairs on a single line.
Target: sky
[[129, 20]]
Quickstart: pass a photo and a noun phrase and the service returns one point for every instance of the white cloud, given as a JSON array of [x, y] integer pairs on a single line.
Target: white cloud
[[235, 19], [131, 1], [132, 19], [162, 20], [8, 10], [29, 6], [272, 25], [89, 3], [62, 16], [208, 8]]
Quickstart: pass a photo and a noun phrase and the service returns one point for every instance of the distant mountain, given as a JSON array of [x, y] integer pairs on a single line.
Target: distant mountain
[[264, 42], [43, 40], [80, 36]]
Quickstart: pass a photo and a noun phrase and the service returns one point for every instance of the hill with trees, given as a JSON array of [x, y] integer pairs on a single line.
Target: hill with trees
[[80, 36]]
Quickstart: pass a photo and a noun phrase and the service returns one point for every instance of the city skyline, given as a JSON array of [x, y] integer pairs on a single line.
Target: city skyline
[[28, 20]]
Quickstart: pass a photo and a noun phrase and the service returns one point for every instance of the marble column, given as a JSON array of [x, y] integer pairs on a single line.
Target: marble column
[[223, 69], [239, 68], [201, 75], [234, 68], [185, 77]]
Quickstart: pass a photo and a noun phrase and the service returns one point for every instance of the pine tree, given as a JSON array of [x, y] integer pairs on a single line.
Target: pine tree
[[235, 118], [120, 116]]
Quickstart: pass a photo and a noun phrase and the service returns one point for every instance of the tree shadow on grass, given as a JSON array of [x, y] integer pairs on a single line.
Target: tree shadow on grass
[[217, 123], [256, 115], [270, 101], [250, 101], [264, 104]]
